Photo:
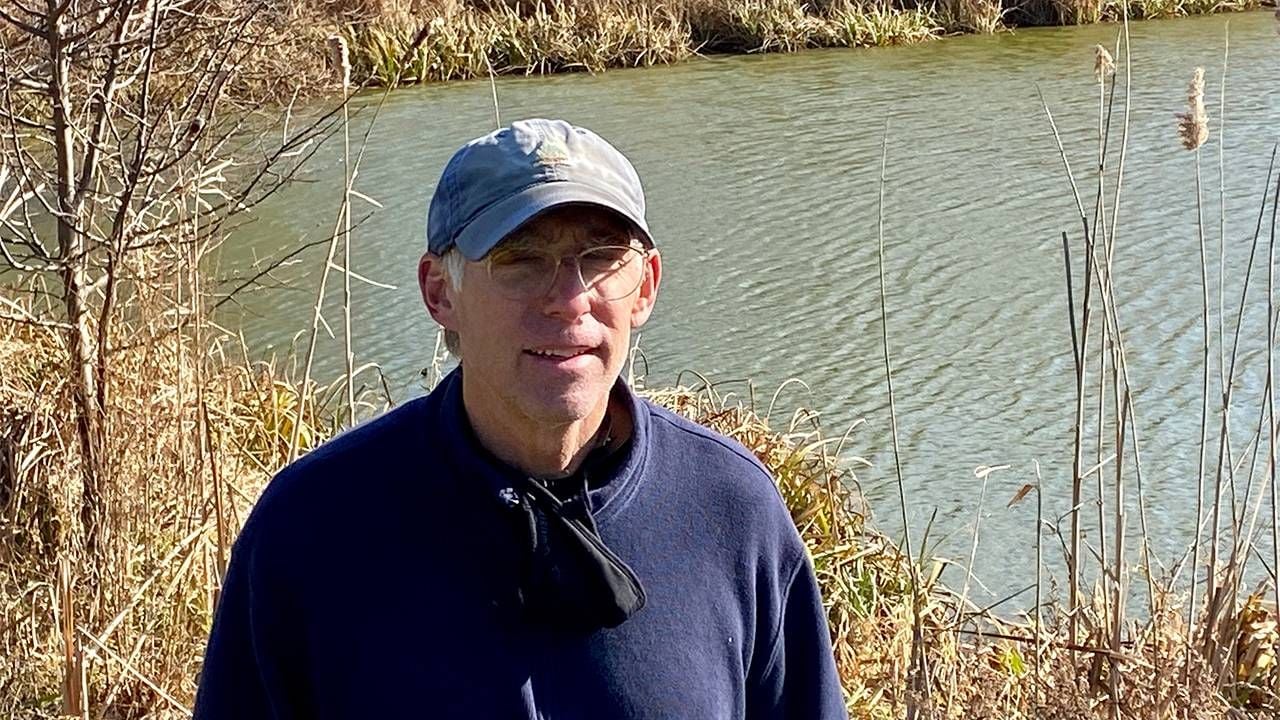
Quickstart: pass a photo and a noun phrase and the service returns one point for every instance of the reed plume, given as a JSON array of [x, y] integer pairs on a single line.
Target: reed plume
[[1193, 125], [1103, 66], [340, 56]]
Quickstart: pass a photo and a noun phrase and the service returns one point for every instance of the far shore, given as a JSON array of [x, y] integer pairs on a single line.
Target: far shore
[[407, 42]]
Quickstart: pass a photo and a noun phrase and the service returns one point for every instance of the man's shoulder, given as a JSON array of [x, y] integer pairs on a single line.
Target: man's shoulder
[[674, 432], [735, 495], [719, 470], [386, 439], [353, 469]]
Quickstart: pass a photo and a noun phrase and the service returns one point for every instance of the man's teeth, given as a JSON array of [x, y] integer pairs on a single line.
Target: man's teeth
[[558, 353]]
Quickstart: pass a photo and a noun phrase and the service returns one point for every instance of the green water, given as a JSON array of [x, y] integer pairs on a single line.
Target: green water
[[762, 176]]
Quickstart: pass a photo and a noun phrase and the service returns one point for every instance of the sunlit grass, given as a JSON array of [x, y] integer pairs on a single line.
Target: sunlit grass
[[468, 41], [596, 35], [168, 543]]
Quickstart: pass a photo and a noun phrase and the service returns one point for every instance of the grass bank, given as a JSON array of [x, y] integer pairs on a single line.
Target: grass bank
[[195, 435], [473, 38], [306, 47]]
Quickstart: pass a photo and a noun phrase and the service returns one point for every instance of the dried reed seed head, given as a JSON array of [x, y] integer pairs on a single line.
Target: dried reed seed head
[[1193, 125], [1103, 65], [1195, 91], [340, 56]]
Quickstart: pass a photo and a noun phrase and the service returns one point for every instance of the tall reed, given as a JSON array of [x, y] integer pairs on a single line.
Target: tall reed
[[1193, 131]]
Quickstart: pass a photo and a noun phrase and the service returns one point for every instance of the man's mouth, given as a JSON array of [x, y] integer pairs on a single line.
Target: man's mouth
[[558, 353]]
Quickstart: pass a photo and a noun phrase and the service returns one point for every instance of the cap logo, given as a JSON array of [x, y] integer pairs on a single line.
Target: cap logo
[[552, 152]]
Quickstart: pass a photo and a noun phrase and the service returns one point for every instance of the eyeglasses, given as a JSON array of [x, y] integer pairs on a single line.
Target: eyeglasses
[[611, 272]]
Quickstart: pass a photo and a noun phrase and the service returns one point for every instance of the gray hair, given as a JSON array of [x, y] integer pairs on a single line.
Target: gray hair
[[454, 264]]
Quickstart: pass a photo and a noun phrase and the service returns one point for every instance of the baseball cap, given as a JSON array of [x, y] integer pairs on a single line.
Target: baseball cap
[[496, 183]]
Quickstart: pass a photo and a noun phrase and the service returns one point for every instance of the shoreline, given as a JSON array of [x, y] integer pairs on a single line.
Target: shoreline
[[467, 41]]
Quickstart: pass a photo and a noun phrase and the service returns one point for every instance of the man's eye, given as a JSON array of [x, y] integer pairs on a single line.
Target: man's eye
[[600, 264], [608, 257]]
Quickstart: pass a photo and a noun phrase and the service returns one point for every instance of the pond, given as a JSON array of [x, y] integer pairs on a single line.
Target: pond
[[762, 175]]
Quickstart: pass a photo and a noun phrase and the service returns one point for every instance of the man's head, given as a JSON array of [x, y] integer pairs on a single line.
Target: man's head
[[539, 265]]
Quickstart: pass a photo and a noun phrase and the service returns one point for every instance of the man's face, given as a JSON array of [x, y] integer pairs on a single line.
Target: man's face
[[553, 357]]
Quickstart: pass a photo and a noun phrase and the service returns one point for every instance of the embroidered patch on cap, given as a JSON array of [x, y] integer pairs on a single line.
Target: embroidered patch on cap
[[552, 151]]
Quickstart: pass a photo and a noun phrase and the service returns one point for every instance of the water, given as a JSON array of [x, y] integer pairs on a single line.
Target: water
[[762, 179]]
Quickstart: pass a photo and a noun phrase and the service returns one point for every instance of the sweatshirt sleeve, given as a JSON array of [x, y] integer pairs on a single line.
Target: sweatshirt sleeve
[[799, 680], [242, 676]]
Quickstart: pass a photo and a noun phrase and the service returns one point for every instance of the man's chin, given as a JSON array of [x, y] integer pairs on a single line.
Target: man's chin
[[566, 403]]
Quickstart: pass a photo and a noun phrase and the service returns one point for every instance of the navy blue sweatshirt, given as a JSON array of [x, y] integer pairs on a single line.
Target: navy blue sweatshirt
[[367, 583]]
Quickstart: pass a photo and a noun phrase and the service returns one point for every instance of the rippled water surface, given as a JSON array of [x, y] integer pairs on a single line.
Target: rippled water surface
[[762, 178]]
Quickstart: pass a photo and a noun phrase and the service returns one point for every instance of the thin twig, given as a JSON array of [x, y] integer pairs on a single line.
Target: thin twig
[[349, 178], [1204, 417], [1073, 555], [917, 635], [1271, 407]]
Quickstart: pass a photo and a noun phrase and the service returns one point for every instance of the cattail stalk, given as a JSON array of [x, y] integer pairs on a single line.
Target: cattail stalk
[[1039, 583], [1215, 595], [1193, 131], [1242, 539], [341, 60], [349, 178], [1271, 393], [1073, 553], [1103, 68], [920, 668], [1122, 365]]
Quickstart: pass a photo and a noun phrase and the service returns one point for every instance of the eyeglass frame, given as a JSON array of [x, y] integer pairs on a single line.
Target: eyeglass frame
[[632, 244]]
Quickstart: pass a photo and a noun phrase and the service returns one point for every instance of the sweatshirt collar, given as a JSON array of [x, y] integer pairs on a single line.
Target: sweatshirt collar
[[474, 465]]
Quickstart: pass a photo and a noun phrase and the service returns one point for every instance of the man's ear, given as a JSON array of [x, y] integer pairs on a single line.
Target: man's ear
[[437, 291], [647, 295]]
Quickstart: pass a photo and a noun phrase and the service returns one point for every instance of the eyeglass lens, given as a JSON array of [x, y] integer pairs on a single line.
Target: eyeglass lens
[[611, 271]]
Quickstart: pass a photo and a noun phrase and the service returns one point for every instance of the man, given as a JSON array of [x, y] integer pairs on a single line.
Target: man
[[531, 539]]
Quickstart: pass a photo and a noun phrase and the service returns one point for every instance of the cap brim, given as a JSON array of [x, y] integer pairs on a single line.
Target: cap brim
[[504, 217]]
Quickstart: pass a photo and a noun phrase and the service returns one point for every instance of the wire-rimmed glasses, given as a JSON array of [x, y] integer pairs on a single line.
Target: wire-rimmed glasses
[[612, 272]]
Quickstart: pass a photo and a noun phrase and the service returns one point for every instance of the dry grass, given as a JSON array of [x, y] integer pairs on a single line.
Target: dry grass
[[542, 36], [466, 41], [978, 665], [181, 487], [1082, 12], [193, 439], [471, 38], [196, 428]]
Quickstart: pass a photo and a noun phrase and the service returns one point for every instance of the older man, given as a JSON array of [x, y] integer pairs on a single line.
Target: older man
[[531, 539]]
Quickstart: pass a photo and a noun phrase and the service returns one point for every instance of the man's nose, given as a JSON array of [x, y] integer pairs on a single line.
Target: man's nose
[[567, 288]]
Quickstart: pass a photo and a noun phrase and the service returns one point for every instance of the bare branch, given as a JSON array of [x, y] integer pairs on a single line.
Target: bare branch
[[104, 100], [17, 264], [26, 318], [24, 27]]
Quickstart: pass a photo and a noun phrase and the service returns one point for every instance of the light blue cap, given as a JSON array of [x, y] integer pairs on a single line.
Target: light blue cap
[[498, 182]]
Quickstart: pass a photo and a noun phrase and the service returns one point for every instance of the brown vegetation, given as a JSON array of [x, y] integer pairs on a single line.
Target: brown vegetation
[[186, 470], [414, 41], [135, 433], [474, 39]]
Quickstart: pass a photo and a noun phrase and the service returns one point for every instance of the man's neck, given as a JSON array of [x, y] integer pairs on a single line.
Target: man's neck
[[547, 451]]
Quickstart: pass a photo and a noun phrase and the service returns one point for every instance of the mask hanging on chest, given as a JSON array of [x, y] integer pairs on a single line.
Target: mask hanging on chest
[[572, 580]]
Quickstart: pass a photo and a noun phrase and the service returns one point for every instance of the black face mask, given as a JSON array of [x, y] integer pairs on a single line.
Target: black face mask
[[571, 581]]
